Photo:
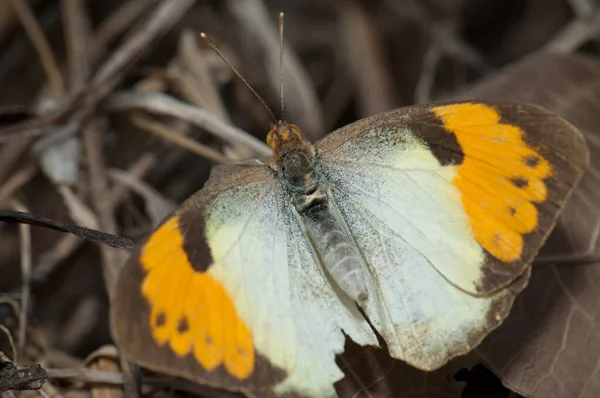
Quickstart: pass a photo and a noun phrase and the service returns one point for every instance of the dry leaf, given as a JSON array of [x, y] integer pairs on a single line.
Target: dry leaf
[[549, 347]]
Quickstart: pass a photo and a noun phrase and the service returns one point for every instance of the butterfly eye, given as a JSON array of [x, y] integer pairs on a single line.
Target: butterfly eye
[[270, 142], [296, 128]]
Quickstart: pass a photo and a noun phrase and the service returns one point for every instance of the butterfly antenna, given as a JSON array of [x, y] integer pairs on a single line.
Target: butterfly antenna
[[220, 54], [281, 65]]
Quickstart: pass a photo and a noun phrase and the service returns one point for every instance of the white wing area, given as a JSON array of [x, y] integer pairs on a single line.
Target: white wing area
[[408, 222], [407, 189], [263, 259]]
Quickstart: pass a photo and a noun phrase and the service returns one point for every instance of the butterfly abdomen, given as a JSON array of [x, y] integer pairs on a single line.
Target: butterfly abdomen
[[336, 249]]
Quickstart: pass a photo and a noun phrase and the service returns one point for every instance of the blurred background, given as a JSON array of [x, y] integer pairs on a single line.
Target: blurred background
[[114, 112]]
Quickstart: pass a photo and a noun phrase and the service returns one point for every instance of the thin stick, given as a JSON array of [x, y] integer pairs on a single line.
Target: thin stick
[[42, 47], [177, 138], [26, 261], [18, 180], [11, 343], [88, 234], [281, 65], [222, 56], [163, 104]]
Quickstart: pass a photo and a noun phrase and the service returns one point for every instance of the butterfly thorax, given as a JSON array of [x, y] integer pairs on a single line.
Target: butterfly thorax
[[326, 228], [301, 181], [296, 163]]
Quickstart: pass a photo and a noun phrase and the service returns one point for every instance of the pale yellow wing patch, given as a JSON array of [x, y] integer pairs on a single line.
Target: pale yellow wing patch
[[296, 317], [424, 320], [406, 188]]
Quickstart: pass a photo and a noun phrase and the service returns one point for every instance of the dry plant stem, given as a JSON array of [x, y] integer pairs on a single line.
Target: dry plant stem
[[111, 259], [157, 206], [56, 358], [80, 323], [84, 101], [567, 259], [164, 16], [445, 38], [14, 149], [442, 33], [78, 211], [165, 105], [9, 394], [26, 260], [86, 375], [427, 78], [49, 260], [575, 34], [165, 132], [105, 352], [68, 244], [138, 170], [11, 342], [132, 379], [365, 55], [17, 181], [10, 153], [119, 21], [582, 8], [191, 75], [50, 391], [78, 38], [42, 47], [74, 27], [303, 106], [107, 391], [11, 302]]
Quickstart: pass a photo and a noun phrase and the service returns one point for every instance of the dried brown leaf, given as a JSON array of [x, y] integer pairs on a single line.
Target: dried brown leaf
[[550, 345]]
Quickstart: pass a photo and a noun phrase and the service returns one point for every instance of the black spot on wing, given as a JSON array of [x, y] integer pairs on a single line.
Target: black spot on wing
[[531, 161], [183, 325], [519, 182], [160, 320]]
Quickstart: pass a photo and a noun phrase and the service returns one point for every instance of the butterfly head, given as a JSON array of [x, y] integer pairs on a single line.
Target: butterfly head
[[284, 138]]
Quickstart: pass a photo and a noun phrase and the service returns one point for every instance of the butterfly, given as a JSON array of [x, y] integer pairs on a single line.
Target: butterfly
[[417, 224]]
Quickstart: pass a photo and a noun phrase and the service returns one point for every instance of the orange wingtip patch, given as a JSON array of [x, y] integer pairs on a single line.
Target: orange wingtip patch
[[190, 310], [499, 180]]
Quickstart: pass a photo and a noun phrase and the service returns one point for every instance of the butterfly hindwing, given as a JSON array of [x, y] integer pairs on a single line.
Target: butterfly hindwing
[[448, 204]]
